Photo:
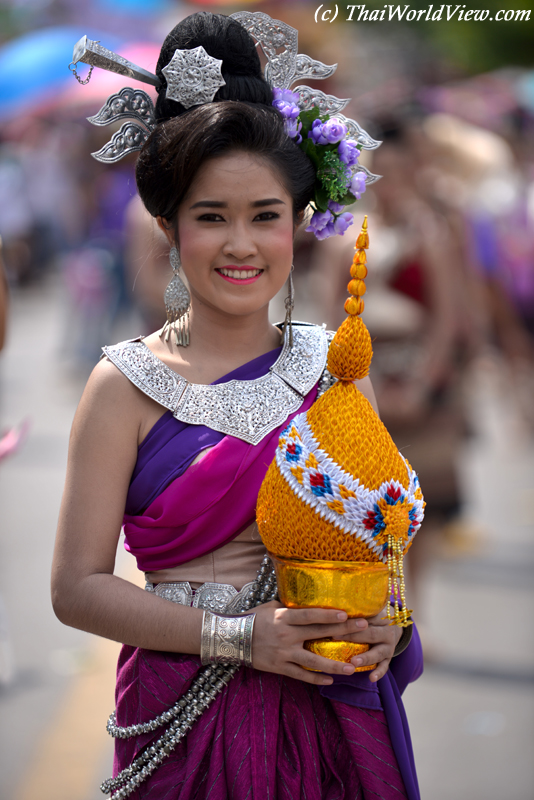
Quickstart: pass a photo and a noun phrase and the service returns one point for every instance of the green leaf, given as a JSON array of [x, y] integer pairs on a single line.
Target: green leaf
[[308, 117], [321, 197], [308, 147], [348, 199]]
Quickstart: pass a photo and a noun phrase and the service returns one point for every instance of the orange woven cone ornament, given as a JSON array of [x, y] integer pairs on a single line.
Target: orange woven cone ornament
[[338, 489]]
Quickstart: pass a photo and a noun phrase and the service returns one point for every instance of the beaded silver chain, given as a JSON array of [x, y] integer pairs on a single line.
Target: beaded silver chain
[[181, 716]]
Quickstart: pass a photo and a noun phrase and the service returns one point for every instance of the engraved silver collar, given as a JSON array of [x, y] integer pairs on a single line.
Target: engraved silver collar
[[248, 410]]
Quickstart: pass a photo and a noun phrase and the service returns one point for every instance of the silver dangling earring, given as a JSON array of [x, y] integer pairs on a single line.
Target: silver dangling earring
[[177, 305], [290, 305]]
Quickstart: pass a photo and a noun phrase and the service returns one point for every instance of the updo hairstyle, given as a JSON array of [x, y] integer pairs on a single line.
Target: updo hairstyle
[[185, 139], [176, 150], [223, 38]]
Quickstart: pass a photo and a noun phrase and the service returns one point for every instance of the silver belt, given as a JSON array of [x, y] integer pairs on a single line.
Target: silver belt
[[219, 598]]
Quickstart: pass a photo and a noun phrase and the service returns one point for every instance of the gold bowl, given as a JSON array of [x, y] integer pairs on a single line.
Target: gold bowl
[[358, 587]]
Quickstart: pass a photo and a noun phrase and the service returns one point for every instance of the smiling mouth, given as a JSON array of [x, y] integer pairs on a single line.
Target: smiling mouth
[[239, 274]]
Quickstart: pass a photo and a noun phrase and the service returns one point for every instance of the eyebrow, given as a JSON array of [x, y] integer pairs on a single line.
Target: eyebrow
[[270, 201]]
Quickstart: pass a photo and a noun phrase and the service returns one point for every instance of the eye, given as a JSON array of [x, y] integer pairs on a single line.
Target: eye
[[265, 216], [210, 218]]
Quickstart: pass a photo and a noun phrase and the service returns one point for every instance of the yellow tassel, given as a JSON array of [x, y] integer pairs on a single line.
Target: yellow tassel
[[401, 612]]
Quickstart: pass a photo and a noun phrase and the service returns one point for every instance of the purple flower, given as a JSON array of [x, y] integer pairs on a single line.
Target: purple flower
[[324, 224], [328, 231], [348, 152], [336, 208], [286, 95], [334, 130], [343, 222], [357, 185], [319, 222], [293, 130], [287, 110], [316, 132]]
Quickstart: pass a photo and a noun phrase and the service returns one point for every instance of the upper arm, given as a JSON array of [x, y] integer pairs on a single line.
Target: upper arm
[[102, 455]]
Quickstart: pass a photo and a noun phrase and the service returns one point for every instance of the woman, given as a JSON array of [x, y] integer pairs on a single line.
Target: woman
[[228, 188]]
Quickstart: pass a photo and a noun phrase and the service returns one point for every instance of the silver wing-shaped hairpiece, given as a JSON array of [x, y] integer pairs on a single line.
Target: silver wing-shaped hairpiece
[[132, 104], [279, 43], [285, 67]]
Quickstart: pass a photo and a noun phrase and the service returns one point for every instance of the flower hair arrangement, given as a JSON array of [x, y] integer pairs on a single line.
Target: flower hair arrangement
[[324, 140]]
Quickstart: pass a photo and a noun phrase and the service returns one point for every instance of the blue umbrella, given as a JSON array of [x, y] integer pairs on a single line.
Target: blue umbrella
[[33, 67]]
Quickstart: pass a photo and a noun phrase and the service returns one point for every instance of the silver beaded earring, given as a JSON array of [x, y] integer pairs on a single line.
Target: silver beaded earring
[[177, 304], [290, 305]]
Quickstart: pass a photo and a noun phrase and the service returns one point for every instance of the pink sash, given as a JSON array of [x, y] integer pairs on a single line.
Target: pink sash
[[206, 507]]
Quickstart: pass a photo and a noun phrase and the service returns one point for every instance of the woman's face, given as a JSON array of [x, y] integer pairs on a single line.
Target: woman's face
[[235, 234]]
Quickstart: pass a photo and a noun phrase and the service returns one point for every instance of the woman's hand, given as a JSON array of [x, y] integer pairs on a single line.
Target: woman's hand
[[280, 633], [383, 639]]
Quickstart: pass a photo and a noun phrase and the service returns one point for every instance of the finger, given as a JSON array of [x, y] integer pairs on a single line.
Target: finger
[[339, 631], [380, 670], [305, 658], [380, 618], [373, 656], [374, 634], [313, 616], [317, 678]]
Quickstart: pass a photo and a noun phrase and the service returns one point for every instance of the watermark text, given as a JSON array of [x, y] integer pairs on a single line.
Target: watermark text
[[329, 12]]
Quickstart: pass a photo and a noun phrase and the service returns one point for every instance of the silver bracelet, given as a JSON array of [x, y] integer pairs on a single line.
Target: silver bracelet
[[226, 640]]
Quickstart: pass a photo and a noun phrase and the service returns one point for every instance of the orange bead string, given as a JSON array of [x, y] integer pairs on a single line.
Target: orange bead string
[[354, 305]]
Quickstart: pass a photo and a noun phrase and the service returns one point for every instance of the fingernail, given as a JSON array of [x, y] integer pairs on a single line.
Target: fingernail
[[348, 669], [342, 615], [361, 623], [357, 661], [327, 681]]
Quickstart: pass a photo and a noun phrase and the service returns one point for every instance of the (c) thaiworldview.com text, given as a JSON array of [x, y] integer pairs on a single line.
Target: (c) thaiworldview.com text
[[329, 12]]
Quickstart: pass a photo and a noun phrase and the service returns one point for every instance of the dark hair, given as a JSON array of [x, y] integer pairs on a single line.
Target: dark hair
[[223, 38], [176, 150], [184, 139]]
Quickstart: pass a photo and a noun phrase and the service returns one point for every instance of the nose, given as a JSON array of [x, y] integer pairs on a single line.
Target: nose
[[240, 243]]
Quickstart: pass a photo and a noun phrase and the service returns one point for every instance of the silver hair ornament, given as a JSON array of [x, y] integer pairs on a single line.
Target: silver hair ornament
[[193, 77]]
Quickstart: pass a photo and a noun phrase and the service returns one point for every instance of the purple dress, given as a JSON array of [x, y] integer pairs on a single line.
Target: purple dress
[[265, 736]]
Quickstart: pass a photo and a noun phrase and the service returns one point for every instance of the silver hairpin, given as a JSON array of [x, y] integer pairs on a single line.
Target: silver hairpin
[[89, 52], [193, 77]]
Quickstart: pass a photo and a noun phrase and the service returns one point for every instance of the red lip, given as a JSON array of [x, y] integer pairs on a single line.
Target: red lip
[[240, 281]]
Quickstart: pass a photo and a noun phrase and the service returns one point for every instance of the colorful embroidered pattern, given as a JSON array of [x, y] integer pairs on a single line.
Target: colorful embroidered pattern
[[370, 515]]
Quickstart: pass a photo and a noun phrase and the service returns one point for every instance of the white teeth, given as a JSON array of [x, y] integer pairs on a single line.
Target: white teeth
[[240, 274]]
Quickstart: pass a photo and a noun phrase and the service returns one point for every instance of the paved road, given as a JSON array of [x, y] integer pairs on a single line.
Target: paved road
[[472, 712]]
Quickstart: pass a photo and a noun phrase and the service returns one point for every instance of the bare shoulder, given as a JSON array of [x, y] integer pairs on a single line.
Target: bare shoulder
[[110, 403], [108, 384]]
